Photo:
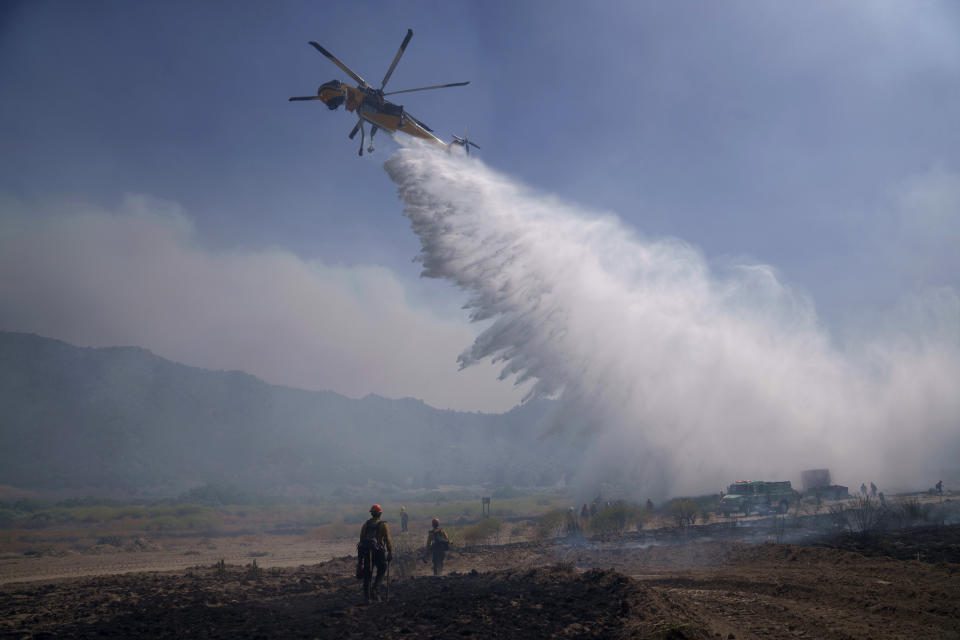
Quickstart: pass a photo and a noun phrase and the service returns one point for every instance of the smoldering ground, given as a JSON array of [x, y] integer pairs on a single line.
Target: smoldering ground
[[678, 375]]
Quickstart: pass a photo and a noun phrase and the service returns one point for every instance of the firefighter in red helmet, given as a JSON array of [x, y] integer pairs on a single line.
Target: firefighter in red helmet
[[374, 550], [437, 545]]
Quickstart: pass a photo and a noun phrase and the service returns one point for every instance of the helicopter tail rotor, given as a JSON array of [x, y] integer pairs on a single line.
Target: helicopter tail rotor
[[464, 142]]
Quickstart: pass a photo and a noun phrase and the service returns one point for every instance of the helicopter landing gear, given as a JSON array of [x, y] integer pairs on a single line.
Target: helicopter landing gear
[[363, 136]]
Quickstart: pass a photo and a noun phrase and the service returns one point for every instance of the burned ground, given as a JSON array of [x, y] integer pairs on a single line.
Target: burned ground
[[590, 588]]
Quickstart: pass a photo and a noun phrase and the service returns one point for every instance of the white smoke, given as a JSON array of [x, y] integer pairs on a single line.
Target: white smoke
[[142, 276], [680, 379]]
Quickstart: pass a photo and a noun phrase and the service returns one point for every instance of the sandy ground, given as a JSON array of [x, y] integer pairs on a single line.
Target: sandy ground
[[168, 554], [903, 585]]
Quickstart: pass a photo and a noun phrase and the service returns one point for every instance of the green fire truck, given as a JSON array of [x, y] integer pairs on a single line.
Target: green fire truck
[[756, 496]]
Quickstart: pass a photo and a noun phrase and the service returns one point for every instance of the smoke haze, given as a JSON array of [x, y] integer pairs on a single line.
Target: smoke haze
[[140, 275], [681, 377]]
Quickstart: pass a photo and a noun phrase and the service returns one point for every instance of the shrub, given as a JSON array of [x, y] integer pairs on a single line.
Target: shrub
[[867, 515], [862, 516], [481, 532], [683, 512], [909, 509], [779, 528], [551, 524], [615, 519], [254, 572], [517, 530]]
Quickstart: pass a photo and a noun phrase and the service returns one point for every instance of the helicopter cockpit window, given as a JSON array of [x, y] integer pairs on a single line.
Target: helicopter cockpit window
[[334, 102]]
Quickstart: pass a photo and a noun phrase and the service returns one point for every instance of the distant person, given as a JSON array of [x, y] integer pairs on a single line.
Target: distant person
[[437, 545], [593, 509], [650, 505], [863, 489], [404, 519], [939, 486], [573, 525], [374, 550], [873, 490], [585, 512]]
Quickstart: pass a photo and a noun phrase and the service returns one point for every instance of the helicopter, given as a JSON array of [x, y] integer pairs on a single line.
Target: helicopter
[[371, 104]]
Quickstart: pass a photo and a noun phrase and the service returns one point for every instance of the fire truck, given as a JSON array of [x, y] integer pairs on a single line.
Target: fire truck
[[756, 496]]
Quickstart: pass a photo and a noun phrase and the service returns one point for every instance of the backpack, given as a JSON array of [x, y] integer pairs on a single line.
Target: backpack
[[440, 541], [369, 543]]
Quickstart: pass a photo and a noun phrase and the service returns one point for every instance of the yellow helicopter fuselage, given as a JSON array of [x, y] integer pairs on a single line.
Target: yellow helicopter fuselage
[[374, 109]]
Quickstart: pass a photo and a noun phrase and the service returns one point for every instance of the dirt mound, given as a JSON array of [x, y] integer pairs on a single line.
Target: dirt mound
[[552, 602]]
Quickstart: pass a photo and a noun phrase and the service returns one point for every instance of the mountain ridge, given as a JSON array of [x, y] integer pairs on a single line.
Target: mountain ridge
[[123, 417]]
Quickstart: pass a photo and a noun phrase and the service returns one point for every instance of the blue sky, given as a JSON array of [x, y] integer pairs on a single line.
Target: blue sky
[[820, 138]]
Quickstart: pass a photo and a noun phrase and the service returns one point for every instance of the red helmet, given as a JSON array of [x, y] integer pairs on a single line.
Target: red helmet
[[435, 522], [376, 510]]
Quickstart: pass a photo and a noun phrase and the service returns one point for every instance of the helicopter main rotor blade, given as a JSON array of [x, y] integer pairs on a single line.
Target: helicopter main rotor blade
[[396, 59], [334, 60], [436, 86], [304, 98]]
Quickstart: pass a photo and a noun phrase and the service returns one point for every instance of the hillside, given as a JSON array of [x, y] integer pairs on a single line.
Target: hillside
[[123, 418]]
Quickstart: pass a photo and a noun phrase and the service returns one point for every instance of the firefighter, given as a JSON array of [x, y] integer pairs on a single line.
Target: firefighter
[[573, 525], [404, 519], [374, 550], [437, 545]]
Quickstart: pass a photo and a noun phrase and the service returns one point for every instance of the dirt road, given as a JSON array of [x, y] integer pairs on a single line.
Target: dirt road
[[269, 551]]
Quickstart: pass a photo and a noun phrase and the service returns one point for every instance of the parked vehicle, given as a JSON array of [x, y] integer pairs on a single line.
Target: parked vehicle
[[750, 496]]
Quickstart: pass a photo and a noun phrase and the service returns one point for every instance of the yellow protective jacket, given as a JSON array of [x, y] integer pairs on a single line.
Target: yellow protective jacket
[[382, 535]]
